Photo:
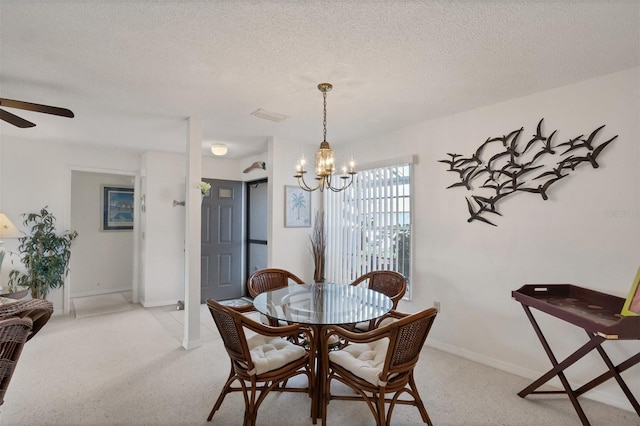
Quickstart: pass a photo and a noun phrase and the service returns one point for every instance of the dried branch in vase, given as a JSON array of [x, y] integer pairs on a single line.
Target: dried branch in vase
[[318, 247]]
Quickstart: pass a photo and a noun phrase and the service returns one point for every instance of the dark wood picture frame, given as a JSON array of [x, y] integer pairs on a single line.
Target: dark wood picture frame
[[116, 208]]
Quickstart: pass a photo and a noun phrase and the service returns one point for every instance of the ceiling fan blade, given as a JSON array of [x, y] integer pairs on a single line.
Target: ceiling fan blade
[[15, 120], [30, 106]]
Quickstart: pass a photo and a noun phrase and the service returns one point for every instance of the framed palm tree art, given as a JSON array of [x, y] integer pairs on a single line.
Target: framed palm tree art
[[297, 207]]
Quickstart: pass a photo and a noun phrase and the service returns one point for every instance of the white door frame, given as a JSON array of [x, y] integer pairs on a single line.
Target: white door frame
[[66, 303]]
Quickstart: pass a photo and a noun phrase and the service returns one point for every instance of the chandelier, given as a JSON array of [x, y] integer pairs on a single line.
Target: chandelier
[[325, 161]]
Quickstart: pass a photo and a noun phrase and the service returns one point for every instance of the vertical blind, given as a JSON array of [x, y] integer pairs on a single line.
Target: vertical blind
[[368, 225]]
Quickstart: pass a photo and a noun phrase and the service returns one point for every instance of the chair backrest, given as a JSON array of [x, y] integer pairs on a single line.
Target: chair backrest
[[391, 283], [406, 339], [270, 279], [229, 324], [38, 310], [13, 335]]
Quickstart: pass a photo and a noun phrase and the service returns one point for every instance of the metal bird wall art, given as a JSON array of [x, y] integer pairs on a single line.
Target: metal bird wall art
[[255, 165], [505, 165]]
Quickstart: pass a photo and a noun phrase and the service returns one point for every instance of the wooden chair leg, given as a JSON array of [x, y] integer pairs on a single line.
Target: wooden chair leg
[[223, 393], [418, 400], [381, 420], [326, 397]]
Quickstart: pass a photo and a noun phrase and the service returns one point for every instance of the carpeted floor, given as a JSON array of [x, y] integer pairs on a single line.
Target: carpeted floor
[[98, 305], [127, 368]]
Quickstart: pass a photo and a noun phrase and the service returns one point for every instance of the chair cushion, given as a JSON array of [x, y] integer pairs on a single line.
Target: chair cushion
[[387, 321], [365, 360], [265, 320], [271, 353]]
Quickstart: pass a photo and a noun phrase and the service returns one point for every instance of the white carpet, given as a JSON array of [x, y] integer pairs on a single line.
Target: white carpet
[[102, 304], [128, 369]]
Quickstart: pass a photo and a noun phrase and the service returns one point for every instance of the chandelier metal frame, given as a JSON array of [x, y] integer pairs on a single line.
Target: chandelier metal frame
[[325, 161]]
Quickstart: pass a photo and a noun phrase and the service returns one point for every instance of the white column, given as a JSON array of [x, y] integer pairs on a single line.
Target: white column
[[192, 236]]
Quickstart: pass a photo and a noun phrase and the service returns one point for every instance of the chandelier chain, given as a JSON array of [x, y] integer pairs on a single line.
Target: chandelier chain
[[324, 120]]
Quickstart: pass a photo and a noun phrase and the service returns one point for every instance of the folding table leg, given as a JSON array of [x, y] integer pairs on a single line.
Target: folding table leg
[[558, 368], [614, 371]]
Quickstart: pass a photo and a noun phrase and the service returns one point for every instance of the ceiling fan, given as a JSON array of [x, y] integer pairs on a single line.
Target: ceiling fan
[[29, 106]]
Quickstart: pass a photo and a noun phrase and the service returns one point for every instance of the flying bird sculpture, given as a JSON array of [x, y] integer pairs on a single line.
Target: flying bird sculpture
[[542, 189], [255, 165], [475, 215], [547, 148], [537, 137], [578, 142], [507, 167]]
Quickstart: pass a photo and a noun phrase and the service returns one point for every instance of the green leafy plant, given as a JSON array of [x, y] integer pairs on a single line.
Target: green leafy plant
[[44, 253]]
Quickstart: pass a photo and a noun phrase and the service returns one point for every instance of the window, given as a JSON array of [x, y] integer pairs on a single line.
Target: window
[[369, 224]]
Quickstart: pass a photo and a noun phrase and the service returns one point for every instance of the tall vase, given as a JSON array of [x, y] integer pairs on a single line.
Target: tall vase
[[318, 273]]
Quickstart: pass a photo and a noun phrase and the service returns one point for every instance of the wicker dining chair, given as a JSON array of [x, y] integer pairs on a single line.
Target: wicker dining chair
[[263, 362], [270, 279], [378, 363], [390, 283]]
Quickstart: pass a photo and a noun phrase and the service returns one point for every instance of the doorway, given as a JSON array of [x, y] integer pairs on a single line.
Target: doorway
[[257, 208], [102, 261], [221, 241]]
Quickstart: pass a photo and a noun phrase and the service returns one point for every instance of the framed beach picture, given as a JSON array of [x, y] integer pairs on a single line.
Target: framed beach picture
[[297, 207], [117, 208], [632, 304]]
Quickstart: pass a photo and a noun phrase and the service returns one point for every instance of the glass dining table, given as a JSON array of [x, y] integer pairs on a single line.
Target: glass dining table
[[320, 305]]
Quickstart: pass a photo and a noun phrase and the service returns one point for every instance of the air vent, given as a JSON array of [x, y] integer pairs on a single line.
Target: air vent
[[268, 115]]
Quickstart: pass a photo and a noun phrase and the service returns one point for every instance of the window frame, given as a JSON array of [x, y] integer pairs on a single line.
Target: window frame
[[340, 270]]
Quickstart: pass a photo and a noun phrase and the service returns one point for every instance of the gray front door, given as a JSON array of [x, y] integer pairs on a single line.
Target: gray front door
[[221, 248]]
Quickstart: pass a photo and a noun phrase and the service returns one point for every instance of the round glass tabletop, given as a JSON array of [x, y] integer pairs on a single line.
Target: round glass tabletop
[[323, 304]]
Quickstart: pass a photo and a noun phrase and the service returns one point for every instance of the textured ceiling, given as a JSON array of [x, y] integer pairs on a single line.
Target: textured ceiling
[[134, 71]]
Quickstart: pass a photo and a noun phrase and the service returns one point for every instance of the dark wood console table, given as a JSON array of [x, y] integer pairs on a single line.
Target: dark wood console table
[[599, 315]]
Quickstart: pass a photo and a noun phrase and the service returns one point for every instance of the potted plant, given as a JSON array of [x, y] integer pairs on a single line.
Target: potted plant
[[44, 253], [318, 239]]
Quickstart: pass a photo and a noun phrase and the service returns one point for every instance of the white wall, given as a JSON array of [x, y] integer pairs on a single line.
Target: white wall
[[38, 174], [221, 168], [471, 268], [162, 239], [102, 261], [288, 247]]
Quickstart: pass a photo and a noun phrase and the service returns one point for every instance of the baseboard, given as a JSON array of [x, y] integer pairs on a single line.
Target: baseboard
[[192, 344], [157, 303], [96, 292], [594, 395]]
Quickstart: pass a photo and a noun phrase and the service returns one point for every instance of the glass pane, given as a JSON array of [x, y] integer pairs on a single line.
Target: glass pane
[[257, 212], [225, 193], [257, 257]]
